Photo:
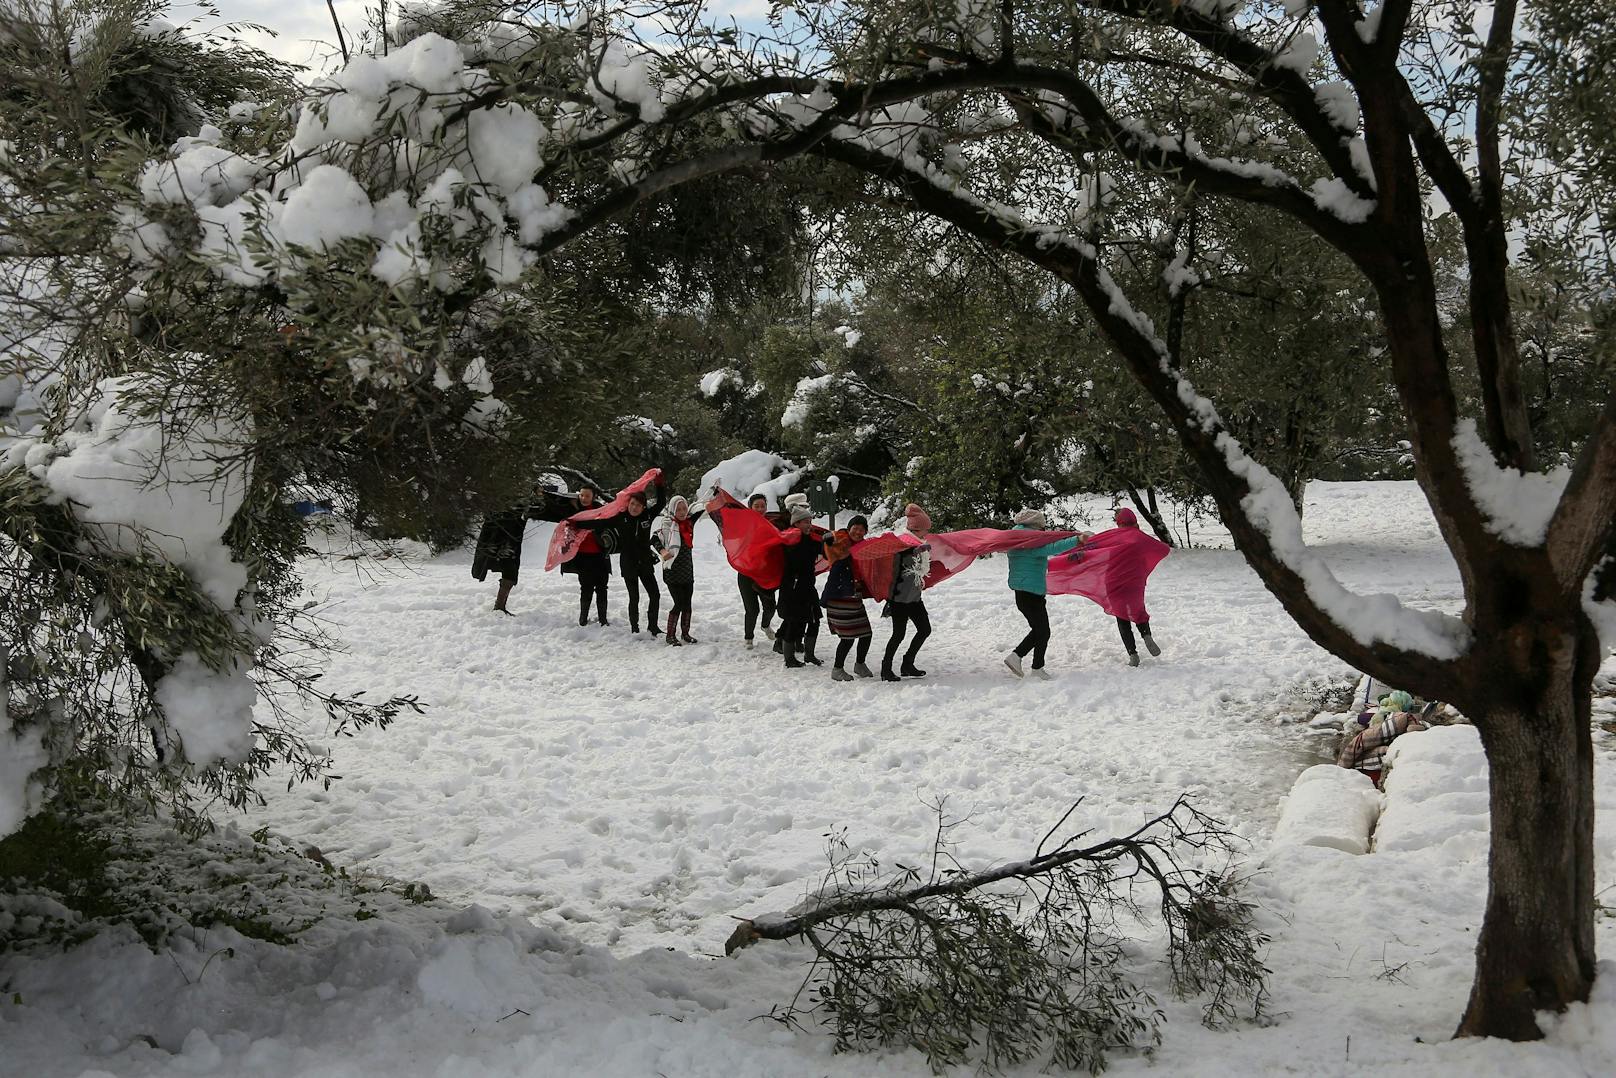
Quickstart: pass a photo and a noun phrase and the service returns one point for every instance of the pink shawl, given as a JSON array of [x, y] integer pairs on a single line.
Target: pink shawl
[[1111, 569], [567, 538], [951, 553]]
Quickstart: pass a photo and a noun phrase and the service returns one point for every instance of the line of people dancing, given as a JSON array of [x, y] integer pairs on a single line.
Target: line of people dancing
[[1110, 568]]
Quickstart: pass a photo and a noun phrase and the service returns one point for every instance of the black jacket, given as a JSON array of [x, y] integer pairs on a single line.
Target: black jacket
[[799, 598], [632, 534]]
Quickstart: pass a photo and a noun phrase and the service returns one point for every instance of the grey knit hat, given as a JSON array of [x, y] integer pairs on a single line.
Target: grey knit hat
[[800, 513], [1033, 518]]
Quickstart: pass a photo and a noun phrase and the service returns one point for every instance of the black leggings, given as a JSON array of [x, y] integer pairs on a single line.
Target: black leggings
[[756, 599], [902, 615], [1125, 627], [680, 594], [845, 645], [1035, 608], [800, 633], [634, 577], [592, 585]]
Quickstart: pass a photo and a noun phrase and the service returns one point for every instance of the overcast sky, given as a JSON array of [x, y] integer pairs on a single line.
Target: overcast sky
[[303, 32]]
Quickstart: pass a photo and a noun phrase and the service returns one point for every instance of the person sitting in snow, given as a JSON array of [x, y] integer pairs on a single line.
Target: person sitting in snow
[[1372, 732]]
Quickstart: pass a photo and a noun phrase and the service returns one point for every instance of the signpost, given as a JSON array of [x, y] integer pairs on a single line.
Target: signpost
[[822, 500]]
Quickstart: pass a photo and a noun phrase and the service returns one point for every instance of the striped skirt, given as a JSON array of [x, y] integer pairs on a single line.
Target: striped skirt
[[847, 617]]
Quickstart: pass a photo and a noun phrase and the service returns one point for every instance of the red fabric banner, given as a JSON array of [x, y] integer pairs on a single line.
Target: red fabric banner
[[753, 545], [953, 552], [1111, 569], [872, 562], [566, 540]]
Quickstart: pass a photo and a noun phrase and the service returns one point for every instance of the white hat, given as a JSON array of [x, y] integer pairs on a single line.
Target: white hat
[[794, 500], [1033, 517]]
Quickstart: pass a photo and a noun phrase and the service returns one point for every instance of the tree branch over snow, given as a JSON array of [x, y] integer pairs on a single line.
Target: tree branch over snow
[[1141, 845]]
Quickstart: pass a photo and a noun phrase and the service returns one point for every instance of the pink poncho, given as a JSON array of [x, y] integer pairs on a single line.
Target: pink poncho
[[1111, 569]]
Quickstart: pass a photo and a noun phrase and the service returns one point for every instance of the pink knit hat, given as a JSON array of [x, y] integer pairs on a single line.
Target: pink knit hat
[[916, 518], [1126, 519]]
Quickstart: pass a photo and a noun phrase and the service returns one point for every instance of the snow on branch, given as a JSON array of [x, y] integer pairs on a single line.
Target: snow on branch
[[1276, 77]]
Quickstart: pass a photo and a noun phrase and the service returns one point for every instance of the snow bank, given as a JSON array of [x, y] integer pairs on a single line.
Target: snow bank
[[1329, 806], [1436, 794], [752, 472]]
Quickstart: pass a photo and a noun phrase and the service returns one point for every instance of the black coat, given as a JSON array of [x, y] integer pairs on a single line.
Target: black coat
[[632, 535], [799, 598], [499, 542]]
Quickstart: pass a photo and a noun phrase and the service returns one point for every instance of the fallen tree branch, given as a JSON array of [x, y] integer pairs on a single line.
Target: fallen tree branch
[[1026, 959]]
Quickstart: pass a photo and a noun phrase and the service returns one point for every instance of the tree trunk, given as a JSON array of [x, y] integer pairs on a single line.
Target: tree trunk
[[1151, 514], [1536, 947]]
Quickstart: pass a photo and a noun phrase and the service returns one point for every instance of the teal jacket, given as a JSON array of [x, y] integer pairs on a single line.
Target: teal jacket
[[1029, 568]]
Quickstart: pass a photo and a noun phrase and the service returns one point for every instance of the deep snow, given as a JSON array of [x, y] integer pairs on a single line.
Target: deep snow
[[629, 799]]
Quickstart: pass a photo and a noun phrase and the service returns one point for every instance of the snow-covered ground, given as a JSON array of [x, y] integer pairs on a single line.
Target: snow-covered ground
[[609, 804]]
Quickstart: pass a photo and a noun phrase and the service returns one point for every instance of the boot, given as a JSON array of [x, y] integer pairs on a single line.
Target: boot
[[909, 669], [1013, 661], [1040, 674], [863, 670], [684, 628], [838, 674], [1133, 658], [768, 632], [504, 594], [809, 658], [888, 675], [1150, 644], [672, 621], [792, 662]]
